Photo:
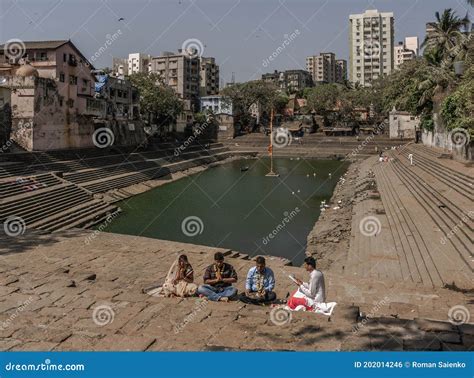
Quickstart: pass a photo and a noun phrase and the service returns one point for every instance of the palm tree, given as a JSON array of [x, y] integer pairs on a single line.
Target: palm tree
[[446, 34]]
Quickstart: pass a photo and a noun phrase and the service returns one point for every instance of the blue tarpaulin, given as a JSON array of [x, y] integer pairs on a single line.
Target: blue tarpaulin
[[102, 80]]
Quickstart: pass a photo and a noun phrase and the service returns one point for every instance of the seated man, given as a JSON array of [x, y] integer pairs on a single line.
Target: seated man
[[218, 280], [311, 292], [259, 285]]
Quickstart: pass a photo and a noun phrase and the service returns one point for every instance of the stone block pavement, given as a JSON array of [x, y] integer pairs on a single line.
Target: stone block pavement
[[72, 291]]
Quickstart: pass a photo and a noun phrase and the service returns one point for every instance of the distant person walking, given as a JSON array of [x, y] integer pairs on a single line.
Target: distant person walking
[[410, 157]]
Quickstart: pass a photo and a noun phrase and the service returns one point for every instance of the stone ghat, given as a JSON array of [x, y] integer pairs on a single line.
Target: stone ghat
[[80, 290]]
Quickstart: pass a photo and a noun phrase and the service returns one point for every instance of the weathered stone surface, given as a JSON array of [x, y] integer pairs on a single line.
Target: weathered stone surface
[[122, 342]]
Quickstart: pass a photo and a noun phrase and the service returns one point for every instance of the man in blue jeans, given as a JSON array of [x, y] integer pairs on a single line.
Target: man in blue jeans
[[218, 280]]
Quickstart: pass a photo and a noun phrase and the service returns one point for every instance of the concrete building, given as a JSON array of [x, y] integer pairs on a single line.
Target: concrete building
[[216, 104], [209, 77], [413, 44], [53, 101], [341, 70], [371, 54], [138, 62], [402, 125], [63, 62], [322, 67], [120, 66], [181, 72], [290, 80], [401, 55]]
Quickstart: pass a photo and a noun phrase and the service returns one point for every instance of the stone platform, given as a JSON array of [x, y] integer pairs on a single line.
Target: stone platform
[[80, 290]]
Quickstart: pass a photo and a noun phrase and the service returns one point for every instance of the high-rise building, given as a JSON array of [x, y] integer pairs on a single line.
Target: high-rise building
[[402, 54], [179, 71], [341, 70], [371, 46], [412, 43], [209, 72], [322, 67]]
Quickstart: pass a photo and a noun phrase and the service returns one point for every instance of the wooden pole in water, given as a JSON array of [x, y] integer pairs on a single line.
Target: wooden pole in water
[[271, 173]]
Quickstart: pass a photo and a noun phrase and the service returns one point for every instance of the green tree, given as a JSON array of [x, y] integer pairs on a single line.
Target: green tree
[[447, 33], [322, 98], [158, 103]]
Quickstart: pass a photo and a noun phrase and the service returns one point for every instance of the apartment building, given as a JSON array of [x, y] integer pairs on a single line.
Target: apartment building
[[138, 62], [290, 80], [322, 67], [371, 54], [181, 72], [402, 54], [413, 44], [341, 70], [209, 77]]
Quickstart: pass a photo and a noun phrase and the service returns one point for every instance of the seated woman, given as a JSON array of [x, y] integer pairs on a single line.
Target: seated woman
[[179, 280]]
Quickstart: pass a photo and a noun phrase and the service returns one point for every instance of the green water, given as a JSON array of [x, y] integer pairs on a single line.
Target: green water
[[224, 207]]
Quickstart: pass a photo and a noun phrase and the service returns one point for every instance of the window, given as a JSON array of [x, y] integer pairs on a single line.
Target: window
[[64, 57], [73, 80], [412, 118], [61, 77]]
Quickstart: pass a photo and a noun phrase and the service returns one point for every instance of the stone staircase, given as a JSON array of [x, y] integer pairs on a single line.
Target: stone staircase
[[317, 145], [59, 190], [423, 217]]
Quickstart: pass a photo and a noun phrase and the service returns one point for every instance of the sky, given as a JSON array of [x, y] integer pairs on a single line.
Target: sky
[[240, 34]]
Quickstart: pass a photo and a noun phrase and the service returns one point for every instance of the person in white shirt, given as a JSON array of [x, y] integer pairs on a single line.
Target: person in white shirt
[[308, 292]]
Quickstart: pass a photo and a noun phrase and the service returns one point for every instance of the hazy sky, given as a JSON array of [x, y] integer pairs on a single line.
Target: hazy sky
[[240, 34]]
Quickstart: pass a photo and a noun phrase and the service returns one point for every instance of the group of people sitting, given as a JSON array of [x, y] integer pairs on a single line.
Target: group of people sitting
[[220, 277]]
